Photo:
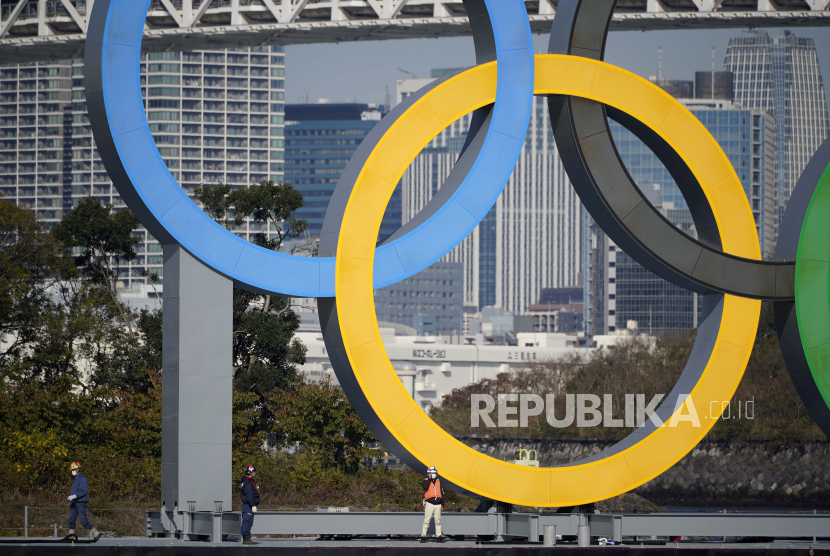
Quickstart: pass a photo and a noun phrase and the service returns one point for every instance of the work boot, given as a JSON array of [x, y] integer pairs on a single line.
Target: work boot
[[96, 534], [247, 540], [423, 539], [71, 536], [440, 538]]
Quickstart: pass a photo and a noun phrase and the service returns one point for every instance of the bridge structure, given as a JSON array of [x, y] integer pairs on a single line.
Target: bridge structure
[[41, 30]]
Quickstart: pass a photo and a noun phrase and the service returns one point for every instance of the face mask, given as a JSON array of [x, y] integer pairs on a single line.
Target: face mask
[[74, 473]]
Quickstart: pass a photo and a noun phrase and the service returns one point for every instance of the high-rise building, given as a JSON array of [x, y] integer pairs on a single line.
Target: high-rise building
[[714, 85], [216, 116], [530, 240], [782, 76], [430, 302], [618, 289], [320, 140]]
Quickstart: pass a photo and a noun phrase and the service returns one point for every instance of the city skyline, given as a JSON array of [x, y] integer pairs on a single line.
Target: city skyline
[[361, 71], [530, 240], [487, 281]]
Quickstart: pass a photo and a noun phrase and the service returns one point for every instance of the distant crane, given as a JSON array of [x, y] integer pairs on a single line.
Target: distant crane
[[409, 72]]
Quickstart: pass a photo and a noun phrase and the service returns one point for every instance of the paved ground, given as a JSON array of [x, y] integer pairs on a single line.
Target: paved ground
[[135, 545]]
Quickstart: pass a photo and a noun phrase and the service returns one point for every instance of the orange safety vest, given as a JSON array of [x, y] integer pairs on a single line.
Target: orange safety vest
[[434, 490]]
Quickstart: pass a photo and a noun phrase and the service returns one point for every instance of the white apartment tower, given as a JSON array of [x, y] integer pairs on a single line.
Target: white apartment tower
[[216, 116]]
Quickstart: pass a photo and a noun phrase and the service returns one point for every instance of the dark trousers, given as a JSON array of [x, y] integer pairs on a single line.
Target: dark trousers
[[247, 520], [78, 509]]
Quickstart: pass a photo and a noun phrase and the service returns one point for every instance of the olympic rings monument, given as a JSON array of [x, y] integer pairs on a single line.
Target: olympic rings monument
[[203, 261]]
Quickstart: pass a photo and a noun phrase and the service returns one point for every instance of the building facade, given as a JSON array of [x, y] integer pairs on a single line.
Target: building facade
[[530, 240], [430, 302], [430, 367], [216, 116], [781, 75], [618, 289], [714, 85], [320, 140]]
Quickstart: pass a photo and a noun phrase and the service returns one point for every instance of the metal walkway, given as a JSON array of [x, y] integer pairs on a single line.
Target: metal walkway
[[503, 526], [402, 547]]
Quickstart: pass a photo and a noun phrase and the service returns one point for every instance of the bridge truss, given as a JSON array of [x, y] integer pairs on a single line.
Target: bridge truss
[[32, 30]]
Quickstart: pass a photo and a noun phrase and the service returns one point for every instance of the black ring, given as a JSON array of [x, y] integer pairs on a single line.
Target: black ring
[[599, 176]]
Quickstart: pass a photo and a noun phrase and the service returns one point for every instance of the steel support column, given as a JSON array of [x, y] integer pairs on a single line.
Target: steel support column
[[196, 390]]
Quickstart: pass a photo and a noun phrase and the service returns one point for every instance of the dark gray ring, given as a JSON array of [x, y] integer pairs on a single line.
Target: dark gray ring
[[614, 200], [584, 34]]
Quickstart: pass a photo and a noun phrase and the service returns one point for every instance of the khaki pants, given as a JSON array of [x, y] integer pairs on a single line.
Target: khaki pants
[[432, 511]]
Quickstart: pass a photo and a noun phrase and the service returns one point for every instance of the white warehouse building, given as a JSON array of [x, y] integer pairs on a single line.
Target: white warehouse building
[[430, 367]]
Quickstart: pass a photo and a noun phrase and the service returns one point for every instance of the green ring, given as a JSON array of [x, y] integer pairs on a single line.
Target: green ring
[[812, 286]]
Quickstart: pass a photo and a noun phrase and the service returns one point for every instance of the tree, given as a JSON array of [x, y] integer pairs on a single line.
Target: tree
[[216, 200], [265, 352], [319, 417], [37, 337], [104, 238], [273, 205]]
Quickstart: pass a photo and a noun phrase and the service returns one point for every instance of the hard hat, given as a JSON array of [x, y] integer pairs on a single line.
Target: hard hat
[[432, 469], [250, 469], [75, 465]]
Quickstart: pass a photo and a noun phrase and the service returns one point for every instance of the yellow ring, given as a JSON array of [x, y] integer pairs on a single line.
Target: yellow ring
[[467, 468]]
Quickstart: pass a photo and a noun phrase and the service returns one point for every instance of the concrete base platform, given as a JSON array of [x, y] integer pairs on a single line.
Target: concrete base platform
[[389, 547]]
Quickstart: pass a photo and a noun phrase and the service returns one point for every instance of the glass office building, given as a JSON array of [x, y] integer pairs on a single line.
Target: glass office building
[[782, 76], [746, 136], [216, 116], [530, 240], [430, 302], [320, 140], [621, 290], [617, 289]]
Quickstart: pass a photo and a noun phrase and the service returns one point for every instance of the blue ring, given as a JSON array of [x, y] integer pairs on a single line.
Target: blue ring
[[127, 148]]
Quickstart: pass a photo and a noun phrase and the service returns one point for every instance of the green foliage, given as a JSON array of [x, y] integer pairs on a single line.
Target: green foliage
[[35, 455], [103, 237], [272, 204], [265, 352], [216, 200], [35, 332], [118, 360], [321, 419], [299, 481], [636, 366], [82, 372]]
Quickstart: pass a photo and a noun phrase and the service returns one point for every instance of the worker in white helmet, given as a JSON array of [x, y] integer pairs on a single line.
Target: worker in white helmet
[[433, 503]]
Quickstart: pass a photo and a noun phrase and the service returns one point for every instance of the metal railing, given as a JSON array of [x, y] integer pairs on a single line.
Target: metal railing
[[51, 521]]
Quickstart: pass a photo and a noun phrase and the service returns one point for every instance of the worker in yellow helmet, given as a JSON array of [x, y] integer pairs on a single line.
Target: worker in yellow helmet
[[78, 499]]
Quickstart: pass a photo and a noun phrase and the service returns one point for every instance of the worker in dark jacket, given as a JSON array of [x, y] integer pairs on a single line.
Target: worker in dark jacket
[[250, 500], [433, 503], [78, 499]]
